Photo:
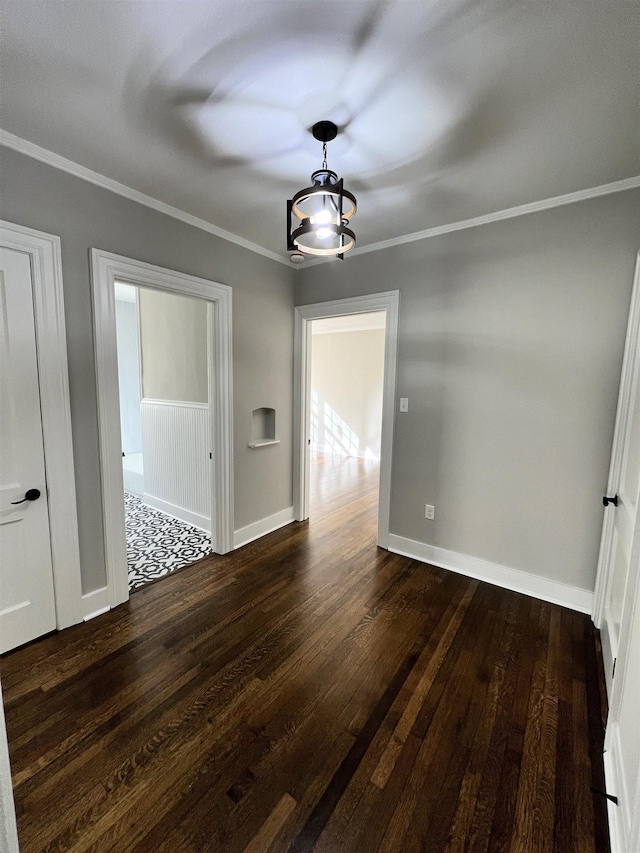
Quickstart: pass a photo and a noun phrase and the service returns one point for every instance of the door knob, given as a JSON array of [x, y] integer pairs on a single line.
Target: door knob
[[29, 495], [614, 500]]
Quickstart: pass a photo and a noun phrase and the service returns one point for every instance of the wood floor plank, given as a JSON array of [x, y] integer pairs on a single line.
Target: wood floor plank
[[527, 797], [312, 693], [466, 801], [505, 811], [457, 719], [442, 739], [489, 792], [410, 714], [261, 842]]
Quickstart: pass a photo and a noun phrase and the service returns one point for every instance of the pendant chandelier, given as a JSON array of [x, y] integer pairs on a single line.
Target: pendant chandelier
[[324, 209]]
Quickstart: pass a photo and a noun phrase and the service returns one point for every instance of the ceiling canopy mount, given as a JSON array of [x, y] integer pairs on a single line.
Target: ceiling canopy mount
[[324, 131]]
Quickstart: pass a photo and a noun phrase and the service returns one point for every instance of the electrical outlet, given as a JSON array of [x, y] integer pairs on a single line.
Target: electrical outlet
[[404, 404], [429, 511]]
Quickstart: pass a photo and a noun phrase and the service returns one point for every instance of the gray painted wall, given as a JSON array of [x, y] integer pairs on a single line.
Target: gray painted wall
[[510, 349], [38, 196], [173, 345]]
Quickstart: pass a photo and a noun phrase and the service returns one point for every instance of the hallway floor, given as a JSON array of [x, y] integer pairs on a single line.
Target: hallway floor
[[312, 692]]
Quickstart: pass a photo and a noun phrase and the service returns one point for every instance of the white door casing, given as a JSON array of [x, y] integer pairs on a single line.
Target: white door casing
[[106, 268], [616, 610], [389, 303], [51, 419], [8, 826]]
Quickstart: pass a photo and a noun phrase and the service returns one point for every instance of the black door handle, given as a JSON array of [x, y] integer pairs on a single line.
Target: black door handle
[[614, 500], [29, 495]]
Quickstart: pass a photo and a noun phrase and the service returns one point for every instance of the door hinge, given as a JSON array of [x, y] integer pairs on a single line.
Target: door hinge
[[604, 794], [613, 671], [615, 500], [210, 456]]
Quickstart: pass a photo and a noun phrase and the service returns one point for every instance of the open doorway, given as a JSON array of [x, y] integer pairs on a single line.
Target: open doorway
[[164, 421], [106, 270], [343, 435], [345, 412], [129, 386]]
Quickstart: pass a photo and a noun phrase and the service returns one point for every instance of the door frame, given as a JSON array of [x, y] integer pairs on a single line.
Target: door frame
[[604, 571], [389, 303], [106, 268], [44, 252]]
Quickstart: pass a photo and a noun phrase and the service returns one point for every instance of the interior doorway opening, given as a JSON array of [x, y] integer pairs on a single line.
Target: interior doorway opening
[[345, 409], [106, 270], [130, 386], [387, 304], [164, 423]]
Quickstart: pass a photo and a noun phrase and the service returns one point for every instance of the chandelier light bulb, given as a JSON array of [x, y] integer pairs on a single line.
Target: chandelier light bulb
[[321, 218], [323, 233]]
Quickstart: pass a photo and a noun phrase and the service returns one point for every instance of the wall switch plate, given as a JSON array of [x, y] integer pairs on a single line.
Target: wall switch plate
[[404, 404], [429, 511]]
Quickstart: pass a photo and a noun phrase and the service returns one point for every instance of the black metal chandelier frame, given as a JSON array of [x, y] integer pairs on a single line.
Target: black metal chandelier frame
[[336, 207]]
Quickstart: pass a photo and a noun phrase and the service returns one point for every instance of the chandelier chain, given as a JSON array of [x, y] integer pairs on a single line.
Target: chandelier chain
[[324, 155]]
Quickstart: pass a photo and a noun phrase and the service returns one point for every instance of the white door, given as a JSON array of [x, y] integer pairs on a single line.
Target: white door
[[624, 489], [27, 604], [617, 608]]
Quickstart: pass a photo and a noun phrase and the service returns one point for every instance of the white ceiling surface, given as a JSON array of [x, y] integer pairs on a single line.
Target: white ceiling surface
[[349, 323], [450, 109]]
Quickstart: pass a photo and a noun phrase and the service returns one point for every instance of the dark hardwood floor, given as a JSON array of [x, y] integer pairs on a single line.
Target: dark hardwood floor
[[311, 692]]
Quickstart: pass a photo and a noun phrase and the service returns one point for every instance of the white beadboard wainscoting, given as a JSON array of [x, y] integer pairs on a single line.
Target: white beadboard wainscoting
[[175, 441]]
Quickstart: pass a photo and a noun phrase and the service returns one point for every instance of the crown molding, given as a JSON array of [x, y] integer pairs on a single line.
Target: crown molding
[[498, 216], [9, 140]]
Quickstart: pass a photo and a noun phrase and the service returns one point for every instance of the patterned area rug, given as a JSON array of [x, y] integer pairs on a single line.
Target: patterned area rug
[[158, 544]]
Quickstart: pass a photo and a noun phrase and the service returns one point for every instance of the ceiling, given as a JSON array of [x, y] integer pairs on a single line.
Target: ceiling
[[449, 109]]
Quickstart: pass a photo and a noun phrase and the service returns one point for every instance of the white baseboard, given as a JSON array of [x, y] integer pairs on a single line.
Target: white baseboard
[[261, 528], [178, 512], [539, 587], [614, 784], [133, 482], [95, 603]]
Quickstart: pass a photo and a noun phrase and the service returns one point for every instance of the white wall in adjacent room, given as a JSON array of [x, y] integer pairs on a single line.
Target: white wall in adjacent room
[[128, 368], [346, 391]]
